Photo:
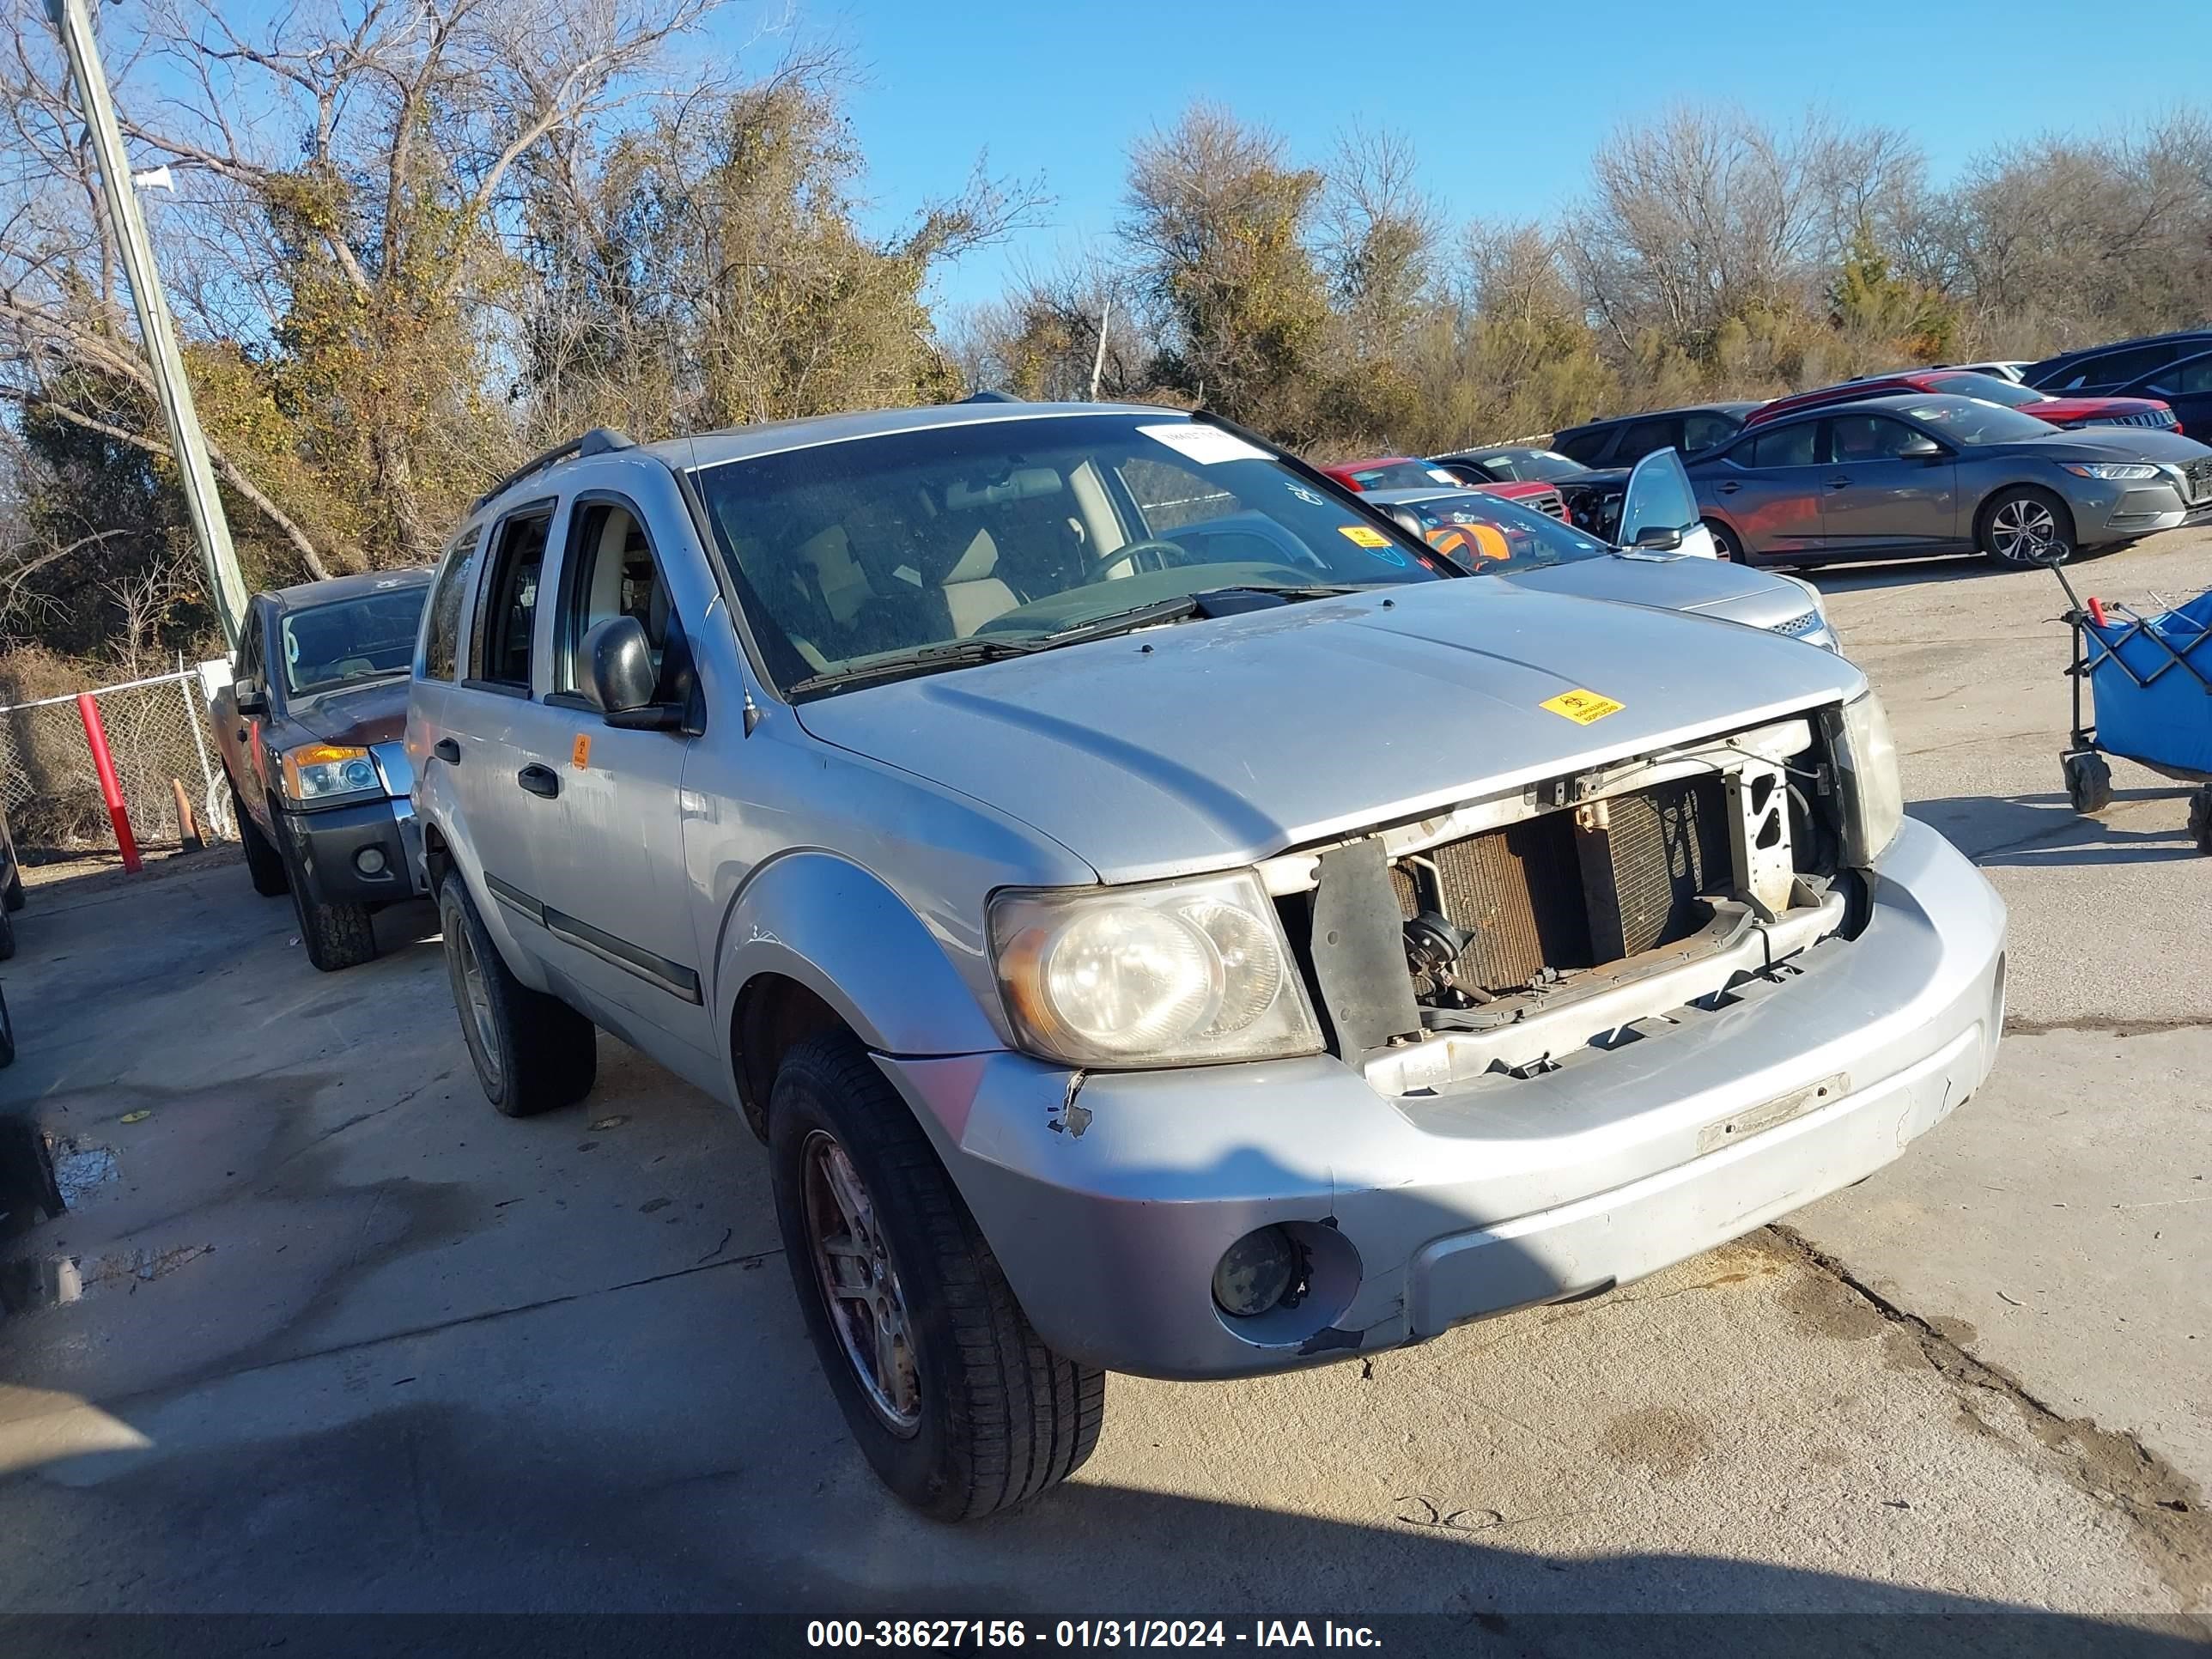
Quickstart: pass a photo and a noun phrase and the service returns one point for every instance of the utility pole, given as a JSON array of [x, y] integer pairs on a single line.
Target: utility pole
[[210, 529]]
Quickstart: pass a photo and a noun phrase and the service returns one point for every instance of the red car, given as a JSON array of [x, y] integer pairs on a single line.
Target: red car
[[1964, 383], [1407, 472]]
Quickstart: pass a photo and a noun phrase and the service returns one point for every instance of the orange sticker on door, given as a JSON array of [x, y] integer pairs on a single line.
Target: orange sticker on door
[[1582, 707], [579, 752]]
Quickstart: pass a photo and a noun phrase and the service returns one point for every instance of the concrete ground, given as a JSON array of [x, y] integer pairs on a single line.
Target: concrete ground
[[342, 1339]]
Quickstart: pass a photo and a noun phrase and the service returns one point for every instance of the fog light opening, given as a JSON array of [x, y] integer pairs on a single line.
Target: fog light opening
[[369, 860], [1263, 1270]]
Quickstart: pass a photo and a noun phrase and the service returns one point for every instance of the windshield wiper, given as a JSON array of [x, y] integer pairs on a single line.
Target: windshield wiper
[[951, 653]]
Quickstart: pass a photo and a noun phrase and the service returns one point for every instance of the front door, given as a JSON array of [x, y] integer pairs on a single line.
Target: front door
[[611, 875], [1880, 495], [1659, 508]]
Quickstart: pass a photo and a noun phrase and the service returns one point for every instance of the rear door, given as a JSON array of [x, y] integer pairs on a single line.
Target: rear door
[[616, 902], [1879, 499], [1768, 485]]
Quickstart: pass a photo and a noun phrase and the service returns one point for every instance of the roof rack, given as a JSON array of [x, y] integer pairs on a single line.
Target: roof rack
[[599, 441]]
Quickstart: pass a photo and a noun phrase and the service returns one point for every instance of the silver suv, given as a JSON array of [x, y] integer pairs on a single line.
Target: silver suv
[[1158, 916]]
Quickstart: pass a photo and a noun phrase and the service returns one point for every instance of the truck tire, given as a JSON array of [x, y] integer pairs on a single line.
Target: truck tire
[[264, 863], [955, 1400], [7, 936], [338, 936], [12, 897], [532, 1052], [7, 1034]]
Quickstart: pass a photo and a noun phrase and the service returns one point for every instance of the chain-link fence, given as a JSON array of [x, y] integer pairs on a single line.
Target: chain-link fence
[[158, 737]]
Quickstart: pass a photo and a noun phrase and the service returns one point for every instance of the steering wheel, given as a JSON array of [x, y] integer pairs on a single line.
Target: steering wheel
[[1150, 554]]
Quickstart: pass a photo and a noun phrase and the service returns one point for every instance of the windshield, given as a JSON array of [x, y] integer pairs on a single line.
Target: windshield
[[948, 540], [1989, 388], [1964, 421], [328, 646], [1489, 535], [1545, 466], [1396, 475]]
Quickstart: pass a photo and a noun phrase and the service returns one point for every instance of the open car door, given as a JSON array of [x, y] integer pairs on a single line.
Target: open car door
[[1659, 510]]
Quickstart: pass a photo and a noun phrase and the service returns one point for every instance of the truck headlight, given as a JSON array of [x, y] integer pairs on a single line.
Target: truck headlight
[[316, 773], [1872, 794], [1170, 973]]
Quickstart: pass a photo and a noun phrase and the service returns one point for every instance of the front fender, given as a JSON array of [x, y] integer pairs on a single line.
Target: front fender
[[827, 923]]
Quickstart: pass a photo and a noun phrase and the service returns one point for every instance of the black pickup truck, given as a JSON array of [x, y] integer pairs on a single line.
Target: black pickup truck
[[310, 729]]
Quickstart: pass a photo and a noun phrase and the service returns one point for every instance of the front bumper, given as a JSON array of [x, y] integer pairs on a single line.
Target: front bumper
[[1109, 1199], [326, 848], [2123, 512]]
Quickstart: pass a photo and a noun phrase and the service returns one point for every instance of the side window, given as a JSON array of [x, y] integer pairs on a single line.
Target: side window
[[1703, 431], [610, 571], [1583, 447], [441, 628], [1787, 446], [1868, 438], [2118, 367], [506, 609], [249, 645], [2192, 379], [1641, 439]]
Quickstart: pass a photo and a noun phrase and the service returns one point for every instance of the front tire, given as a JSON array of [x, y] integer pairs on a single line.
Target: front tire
[[7, 936], [338, 936], [2200, 820], [956, 1401], [1726, 543], [532, 1052], [2019, 527], [264, 863]]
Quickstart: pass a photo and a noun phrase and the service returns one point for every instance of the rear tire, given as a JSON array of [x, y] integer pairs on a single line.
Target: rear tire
[[6, 936], [7, 1037], [978, 1415], [2018, 525], [534, 1053], [2200, 820], [264, 863], [1725, 542]]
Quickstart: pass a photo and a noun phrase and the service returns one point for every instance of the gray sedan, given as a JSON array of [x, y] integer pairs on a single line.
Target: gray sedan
[[1489, 536], [1907, 475]]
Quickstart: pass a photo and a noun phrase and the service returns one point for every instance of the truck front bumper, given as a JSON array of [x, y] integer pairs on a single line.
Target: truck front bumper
[[1110, 1198], [360, 854]]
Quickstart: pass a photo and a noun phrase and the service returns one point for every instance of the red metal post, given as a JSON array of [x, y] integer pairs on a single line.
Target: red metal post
[[111, 792]]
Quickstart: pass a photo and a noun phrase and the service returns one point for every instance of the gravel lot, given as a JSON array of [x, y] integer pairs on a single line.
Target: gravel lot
[[348, 1340]]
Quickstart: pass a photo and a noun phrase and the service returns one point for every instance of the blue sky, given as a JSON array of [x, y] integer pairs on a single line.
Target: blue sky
[[1504, 103]]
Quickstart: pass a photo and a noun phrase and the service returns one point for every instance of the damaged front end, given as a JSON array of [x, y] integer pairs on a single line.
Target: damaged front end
[[1580, 914]]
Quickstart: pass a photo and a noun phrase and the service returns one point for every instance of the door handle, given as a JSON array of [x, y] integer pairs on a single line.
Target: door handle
[[242, 734], [539, 781], [1839, 484], [446, 750], [1728, 486]]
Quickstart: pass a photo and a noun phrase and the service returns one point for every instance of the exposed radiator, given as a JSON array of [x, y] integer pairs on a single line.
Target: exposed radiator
[[1547, 893]]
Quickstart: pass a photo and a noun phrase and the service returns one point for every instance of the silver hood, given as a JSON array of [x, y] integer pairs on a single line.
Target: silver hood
[[1713, 586], [1208, 745]]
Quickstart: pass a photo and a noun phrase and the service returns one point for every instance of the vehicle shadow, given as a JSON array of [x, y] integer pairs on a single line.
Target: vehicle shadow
[[2027, 830]]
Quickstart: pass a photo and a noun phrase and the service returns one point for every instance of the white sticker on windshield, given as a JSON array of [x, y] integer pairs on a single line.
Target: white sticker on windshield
[[1441, 476], [1206, 445]]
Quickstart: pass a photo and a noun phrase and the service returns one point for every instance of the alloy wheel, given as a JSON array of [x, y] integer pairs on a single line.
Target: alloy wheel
[[2022, 530], [477, 995], [860, 1283]]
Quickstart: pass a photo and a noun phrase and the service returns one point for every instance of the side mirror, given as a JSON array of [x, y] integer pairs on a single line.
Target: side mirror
[[249, 697], [1658, 538], [1921, 449], [1409, 521], [618, 671]]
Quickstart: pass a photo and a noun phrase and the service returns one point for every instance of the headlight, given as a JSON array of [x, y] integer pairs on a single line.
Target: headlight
[[322, 772], [1173, 973], [1873, 796], [2114, 470]]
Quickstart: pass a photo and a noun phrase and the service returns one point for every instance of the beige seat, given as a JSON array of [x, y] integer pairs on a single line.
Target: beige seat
[[973, 592]]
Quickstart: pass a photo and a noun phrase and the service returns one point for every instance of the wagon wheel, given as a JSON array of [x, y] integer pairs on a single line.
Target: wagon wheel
[[2200, 819], [2089, 782]]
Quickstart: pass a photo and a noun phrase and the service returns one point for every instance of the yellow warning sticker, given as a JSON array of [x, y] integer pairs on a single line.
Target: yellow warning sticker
[[1360, 536], [579, 752], [1582, 707]]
